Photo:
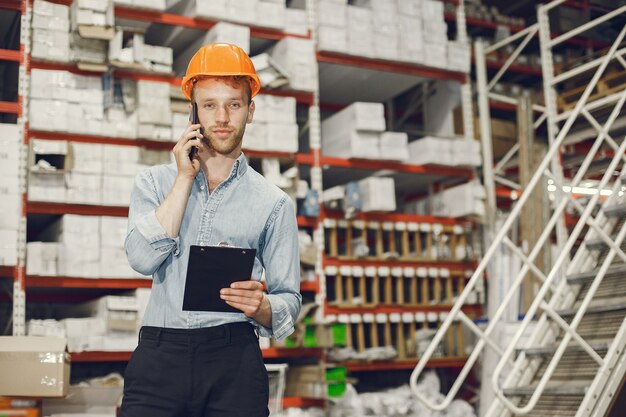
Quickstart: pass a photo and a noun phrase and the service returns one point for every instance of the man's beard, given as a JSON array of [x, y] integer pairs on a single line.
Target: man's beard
[[221, 146]]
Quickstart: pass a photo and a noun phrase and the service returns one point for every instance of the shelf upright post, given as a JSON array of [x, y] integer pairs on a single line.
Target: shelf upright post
[[549, 93], [19, 272], [490, 359], [315, 145], [466, 88]]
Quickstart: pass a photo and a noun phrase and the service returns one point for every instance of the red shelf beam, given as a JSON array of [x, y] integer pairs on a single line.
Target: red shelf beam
[[98, 356], [300, 402], [10, 5], [304, 221], [108, 140], [395, 217], [391, 309], [36, 207], [75, 282], [309, 286], [9, 55], [451, 362], [518, 68], [104, 283], [147, 143], [376, 165], [390, 66], [278, 353], [6, 271], [11, 107], [195, 23], [452, 265]]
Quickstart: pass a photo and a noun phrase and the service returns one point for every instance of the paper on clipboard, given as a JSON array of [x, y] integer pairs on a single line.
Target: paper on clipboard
[[211, 268]]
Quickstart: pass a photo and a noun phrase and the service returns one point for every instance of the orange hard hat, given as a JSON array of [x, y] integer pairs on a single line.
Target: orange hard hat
[[220, 59]]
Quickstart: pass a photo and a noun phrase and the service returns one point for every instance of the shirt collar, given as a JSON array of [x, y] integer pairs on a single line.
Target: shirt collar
[[239, 168], [241, 165]]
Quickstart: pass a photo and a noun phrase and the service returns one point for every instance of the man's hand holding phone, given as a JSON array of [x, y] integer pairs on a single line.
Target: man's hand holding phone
[[187, 147]]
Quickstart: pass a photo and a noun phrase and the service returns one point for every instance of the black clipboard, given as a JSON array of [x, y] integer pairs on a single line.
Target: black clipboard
[[211, 268]]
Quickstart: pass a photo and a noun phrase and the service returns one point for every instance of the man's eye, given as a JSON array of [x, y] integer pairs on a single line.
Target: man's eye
[[209, 106], [235, 105]]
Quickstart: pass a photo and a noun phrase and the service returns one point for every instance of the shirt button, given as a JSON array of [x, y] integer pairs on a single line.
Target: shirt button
[[201, 243], [202, 187]]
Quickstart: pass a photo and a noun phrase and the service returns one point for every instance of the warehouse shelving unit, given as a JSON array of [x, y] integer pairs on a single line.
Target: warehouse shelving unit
[[421, 177], [574, 307]]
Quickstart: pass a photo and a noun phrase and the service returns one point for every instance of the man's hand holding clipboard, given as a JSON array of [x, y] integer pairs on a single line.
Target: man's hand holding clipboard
[[218, 279]]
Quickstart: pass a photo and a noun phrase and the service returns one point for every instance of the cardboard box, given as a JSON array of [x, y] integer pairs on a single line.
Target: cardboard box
[[51, 45], [243, 11], [9, 184], [282, 137], [359, 19], [9, 158], [271, 15], [41, 258], [361, 43], [211, 8], [386, 22], [113, 231], [459, 56], [255, 137], [275, 109], [10, 211], [312, 381], [296, 22], [432, 10], [331, 13], [353, 144], [85, 400], [331, 38], [431, 150], [394, 146], [378, 5], [48, 115], [51, 16], [358, 116], [297, 57], [377, 194], [8, 256], [386, 46], [436, 55], [34, 366], [120, 54], [466, 152], [46, 187], [410, 7], [410, 33], [119, 312]]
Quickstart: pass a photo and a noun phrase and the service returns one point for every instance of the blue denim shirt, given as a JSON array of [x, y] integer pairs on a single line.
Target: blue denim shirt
[[244, 211]]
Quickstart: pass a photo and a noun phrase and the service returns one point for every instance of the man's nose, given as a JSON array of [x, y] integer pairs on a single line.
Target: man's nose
[[222, 115]]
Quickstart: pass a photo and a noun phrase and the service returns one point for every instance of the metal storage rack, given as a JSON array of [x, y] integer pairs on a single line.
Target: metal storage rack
[[426, 177]]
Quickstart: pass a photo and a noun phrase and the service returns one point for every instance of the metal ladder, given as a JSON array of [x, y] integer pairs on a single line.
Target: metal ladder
[[574, 361]]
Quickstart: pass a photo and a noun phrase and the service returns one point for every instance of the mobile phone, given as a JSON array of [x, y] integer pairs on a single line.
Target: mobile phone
[[194, 120]]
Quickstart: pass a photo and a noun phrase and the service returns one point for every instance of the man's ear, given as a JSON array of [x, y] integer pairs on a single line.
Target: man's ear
[[251, 108]]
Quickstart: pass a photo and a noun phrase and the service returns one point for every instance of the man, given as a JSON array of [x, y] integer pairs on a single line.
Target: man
[[192, 363]]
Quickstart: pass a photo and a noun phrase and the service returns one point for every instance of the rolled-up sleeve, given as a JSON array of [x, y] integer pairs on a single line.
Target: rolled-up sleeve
[[281, 258], [147, 244]]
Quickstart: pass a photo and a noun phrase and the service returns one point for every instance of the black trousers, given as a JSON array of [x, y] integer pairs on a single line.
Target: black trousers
[[208, 372]]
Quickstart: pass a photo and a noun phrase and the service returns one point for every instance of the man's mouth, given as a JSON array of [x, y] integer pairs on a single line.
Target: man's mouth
[[222, 132]]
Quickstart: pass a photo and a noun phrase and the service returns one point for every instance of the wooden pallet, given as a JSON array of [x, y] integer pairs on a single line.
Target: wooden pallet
[[611, 83]]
